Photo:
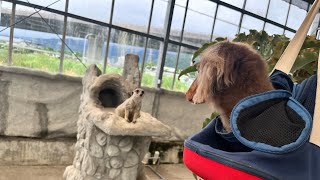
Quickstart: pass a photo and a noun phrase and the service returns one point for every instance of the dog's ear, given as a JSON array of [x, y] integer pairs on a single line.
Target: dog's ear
[[231, 69], [192, 90]]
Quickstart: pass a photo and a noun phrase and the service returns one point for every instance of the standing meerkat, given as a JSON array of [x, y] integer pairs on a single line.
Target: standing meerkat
[[130, 108]]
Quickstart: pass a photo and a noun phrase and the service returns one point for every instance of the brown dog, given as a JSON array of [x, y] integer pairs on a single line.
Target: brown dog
[[227, 73]]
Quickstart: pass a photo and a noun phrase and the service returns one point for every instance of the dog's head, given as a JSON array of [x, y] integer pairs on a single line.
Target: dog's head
[[225, 66]]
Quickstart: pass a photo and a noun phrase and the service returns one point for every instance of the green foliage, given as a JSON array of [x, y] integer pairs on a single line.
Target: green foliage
[[271, 49], [208, 120]]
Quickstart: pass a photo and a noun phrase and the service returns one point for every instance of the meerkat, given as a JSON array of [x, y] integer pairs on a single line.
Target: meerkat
[[130, 108]]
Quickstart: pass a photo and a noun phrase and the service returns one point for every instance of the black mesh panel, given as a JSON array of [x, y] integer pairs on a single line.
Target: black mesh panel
[[270, 122]]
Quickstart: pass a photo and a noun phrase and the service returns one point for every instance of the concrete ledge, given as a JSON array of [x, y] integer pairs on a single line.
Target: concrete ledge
[[27, 151], [39, 73]]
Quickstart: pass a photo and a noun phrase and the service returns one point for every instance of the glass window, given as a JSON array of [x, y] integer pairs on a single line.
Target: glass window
[[150, 65], [88, 42], [272, 29], [278, 11], [94, 9], [123, 43], [228, 15], [184, 61], [60, 5], [35, 45], [296, 16], [259, 8], [169, 66], [238, 3], [132, 14], [227, 23], [158, 17], [5, 16], [314, 25], [199, 22], [249, 22], [177, 19], [289, 34]]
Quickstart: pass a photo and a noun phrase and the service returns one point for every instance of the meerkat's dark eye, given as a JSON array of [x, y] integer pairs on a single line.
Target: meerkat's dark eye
[[142, 92], [137, 91]]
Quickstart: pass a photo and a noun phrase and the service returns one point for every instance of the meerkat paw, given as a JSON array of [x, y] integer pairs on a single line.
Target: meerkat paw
[[134, 121]]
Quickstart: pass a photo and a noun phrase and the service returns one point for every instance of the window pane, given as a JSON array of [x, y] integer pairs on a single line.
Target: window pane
[[249, 22], [94, 9], [177, 19], [272, 29], [132, 14], [314, 25], [278, 11], [227, 23], [60, 5], [200, 14], [4, 35], [296, 16], [228, 15], [88, 42], [169, 66], [184, 61], [289, 34], [224, 29], [123, 43], [238, 3], [158, 16], [35, 44], [150, 67], [257, 8]]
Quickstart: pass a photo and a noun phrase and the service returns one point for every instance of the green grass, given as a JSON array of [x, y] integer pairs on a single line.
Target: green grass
[[73, 67]]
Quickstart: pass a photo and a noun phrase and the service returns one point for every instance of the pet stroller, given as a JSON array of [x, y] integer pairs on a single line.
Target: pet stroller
[[274, 136]]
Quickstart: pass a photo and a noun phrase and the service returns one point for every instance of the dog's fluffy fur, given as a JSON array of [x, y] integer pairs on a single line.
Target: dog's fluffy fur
[[227, 73]]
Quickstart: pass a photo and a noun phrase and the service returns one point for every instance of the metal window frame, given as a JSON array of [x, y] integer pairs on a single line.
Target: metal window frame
[[180, 41], [164, 39], [146, 43], [12, 21], [241, 17], [65, 21], [164, 44], [105, 62]]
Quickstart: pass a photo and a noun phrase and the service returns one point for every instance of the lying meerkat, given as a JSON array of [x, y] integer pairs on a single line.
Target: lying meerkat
[[130, 108]]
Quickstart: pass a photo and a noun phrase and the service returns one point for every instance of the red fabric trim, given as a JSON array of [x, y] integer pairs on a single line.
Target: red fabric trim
[[211, 170]]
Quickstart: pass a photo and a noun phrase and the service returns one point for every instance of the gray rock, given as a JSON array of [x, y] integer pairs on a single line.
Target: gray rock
[[132, 159], [108, 165], [130, 173], [126, 144], [96, 150], [88, 165], [116, 162], [101, 139], [113, 173], [113, 150]]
